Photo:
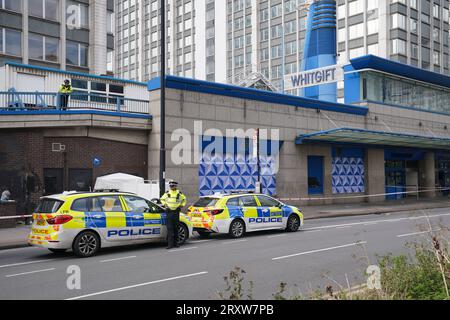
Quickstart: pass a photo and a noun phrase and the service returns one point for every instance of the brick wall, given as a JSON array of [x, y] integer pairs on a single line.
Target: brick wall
[[25, 153]]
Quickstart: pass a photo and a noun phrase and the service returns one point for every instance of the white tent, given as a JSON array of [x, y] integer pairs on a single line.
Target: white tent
[[128, 183]]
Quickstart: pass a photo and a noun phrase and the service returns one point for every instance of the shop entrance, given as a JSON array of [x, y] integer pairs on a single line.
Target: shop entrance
[[402, 173]]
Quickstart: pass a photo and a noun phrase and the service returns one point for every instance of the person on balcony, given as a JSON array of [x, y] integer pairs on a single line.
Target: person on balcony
[[64, 92]]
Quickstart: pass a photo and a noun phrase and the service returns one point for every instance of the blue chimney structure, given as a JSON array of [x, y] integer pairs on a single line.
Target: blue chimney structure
[[320, 47]]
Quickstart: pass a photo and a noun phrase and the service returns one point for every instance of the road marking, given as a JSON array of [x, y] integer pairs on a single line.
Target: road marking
[[377, 221], [184, 249], [370, 223], [415, 233], [320, 250], [117, 259], [138, 285], [30, 272], [277, 236], [235, 241], [24, 263], [343, 227]]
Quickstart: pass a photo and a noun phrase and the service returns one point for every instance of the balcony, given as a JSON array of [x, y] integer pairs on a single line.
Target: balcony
[[43, 109]]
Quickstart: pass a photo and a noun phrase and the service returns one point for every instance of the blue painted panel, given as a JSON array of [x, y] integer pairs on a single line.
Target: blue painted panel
[[352, 85], [229, 169], [348, 171], [315, 175]]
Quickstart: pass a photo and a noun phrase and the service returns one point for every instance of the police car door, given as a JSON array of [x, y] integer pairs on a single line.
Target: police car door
[[145, 217], [272, 212], [250, 212], [107, 216]]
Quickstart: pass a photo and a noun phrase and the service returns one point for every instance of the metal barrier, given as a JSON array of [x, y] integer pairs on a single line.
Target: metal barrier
[[29, 101]]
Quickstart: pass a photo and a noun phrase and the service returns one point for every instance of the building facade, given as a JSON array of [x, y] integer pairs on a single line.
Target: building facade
[[193, 32], [314, 152], [74, 35], [414, 32]]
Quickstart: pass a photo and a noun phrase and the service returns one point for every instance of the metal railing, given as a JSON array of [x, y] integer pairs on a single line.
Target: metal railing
[[30, 101]]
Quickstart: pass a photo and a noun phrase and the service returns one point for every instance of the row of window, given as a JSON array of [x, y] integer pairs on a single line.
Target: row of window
[[77, 13], [42, 47]]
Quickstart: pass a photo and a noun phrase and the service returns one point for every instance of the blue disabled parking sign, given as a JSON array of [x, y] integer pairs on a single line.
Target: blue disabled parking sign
[[97, 162]]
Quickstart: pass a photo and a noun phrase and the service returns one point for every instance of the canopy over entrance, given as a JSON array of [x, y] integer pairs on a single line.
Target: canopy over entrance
[[380, 138]]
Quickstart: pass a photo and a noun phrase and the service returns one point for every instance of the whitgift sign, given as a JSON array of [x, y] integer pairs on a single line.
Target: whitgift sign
[[314, 77]]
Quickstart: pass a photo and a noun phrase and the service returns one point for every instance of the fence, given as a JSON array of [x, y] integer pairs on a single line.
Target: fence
[[23, 101]]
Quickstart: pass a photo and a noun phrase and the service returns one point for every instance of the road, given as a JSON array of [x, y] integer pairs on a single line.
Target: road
[[325, 251]]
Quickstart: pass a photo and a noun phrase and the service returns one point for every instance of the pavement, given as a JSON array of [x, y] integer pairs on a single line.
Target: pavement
[[327, 251], [17, 237]]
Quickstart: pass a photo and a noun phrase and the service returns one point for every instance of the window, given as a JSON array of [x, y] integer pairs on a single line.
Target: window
[[10, 42], [277, 51], [43, 48], [140, 205], [77, 54], [13, 5], [46, 9], [398, 21], [372, 27], [355, 7], [268, 202], [356, 31], [248, 201], [265, 34], [106, 204], [398, 46], [276, 10], [233, 202]]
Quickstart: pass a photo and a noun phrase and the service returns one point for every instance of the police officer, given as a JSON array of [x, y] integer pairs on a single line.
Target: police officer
[[65, 91], [174, 201]]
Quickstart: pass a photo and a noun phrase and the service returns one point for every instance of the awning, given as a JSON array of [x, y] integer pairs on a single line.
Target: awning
[[380, 138]]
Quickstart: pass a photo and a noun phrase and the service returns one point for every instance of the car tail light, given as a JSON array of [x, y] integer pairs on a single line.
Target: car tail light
[[62, 219], [214, 212]]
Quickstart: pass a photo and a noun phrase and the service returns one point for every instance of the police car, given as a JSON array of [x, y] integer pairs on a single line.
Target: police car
[[238, 214], [84, 222]]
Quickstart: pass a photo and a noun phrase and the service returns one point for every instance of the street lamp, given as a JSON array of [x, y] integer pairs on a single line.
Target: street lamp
[[162, 153]]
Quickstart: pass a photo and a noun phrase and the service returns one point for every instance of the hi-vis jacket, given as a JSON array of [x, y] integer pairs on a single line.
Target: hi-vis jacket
[[173, 199], [65, 89]]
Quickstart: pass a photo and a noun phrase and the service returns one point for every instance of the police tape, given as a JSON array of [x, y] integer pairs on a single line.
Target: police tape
[[365, 195], [17, 217]]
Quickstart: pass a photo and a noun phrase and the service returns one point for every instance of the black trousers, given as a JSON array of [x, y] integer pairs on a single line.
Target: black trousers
[[173, 220], [64, 101]]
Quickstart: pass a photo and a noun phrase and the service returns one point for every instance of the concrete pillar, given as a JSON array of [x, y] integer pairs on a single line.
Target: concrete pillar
[[427, 174], [98, 40], [375, 174]]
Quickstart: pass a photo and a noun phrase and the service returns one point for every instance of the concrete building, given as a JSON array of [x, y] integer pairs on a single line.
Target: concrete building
[[370, 149], [74, 35], [414, 32], [194, 28]]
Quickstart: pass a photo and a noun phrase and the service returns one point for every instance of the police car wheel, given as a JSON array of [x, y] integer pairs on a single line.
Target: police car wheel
[[58, 251], [237, 229], [183, 234], [86, 244], [293, 223]]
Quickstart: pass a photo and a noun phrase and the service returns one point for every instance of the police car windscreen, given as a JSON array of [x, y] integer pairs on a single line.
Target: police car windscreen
[[205, 202], [49, 205]]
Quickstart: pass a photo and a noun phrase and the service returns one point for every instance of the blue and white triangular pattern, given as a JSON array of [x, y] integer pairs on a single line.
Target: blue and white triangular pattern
[[348, 175], [227, 173]]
